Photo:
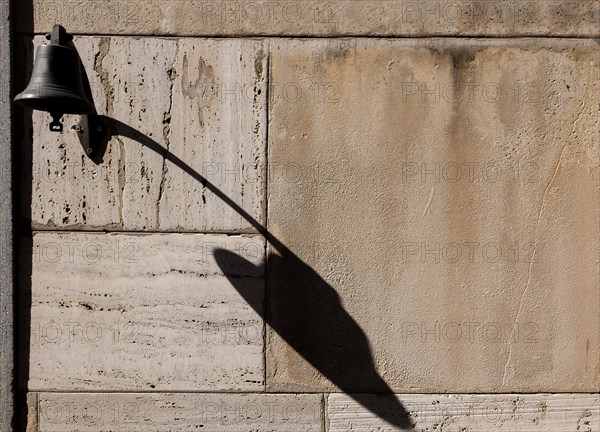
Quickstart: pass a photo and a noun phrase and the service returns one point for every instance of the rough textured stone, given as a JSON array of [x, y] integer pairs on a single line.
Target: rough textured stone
[[219, 128], [144, 312], [6, 220], [473, 413], [31, 412], [317, 18], [448, 193], [180, 412], [201, 99]]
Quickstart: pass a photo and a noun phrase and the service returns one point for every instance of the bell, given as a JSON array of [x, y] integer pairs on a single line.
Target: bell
[[56, 85]]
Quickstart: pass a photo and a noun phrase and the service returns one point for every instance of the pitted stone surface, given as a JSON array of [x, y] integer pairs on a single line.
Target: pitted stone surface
[[143, 312], [204, 101], [7, 192], [448, 193], [472, 413], [167, 412]]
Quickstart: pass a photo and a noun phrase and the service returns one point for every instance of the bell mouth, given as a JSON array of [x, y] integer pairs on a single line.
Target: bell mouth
[[61, 101], [56, 83]]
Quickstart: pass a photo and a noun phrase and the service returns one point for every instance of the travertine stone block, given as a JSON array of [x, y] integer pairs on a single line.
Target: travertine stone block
[[218, 127], [67, 189], [30, 415], [316, 18], [217, 412], [448, 193], [144, 312], [473, 413], [203, 100]]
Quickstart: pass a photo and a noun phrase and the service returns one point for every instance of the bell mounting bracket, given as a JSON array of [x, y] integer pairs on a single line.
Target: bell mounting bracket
[[59, 36], [90, 132], [89, 129]]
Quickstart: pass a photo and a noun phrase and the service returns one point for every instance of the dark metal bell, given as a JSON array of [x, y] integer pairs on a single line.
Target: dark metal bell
[[56, 84]]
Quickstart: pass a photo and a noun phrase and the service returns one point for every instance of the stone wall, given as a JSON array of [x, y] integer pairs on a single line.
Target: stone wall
[[285, 225], [6, 231]]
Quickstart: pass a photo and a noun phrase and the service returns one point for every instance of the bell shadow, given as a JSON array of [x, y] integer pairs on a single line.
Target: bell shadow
[[304, 310]]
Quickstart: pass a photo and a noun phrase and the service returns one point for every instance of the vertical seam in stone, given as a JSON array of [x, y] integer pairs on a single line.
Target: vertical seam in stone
[[324, 425], [121, 171], [167, 134], [102, 73], [37, 412], [109, 91], [265, 213]]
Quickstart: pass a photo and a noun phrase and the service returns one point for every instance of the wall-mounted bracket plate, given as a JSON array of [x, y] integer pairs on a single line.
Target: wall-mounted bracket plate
[[91, 132]]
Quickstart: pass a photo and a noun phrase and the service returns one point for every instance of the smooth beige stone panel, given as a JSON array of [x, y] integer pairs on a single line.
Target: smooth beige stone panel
[[203, 100], [448, 193], [217, 412], [474, 413], [126, 312], [315, 18]]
